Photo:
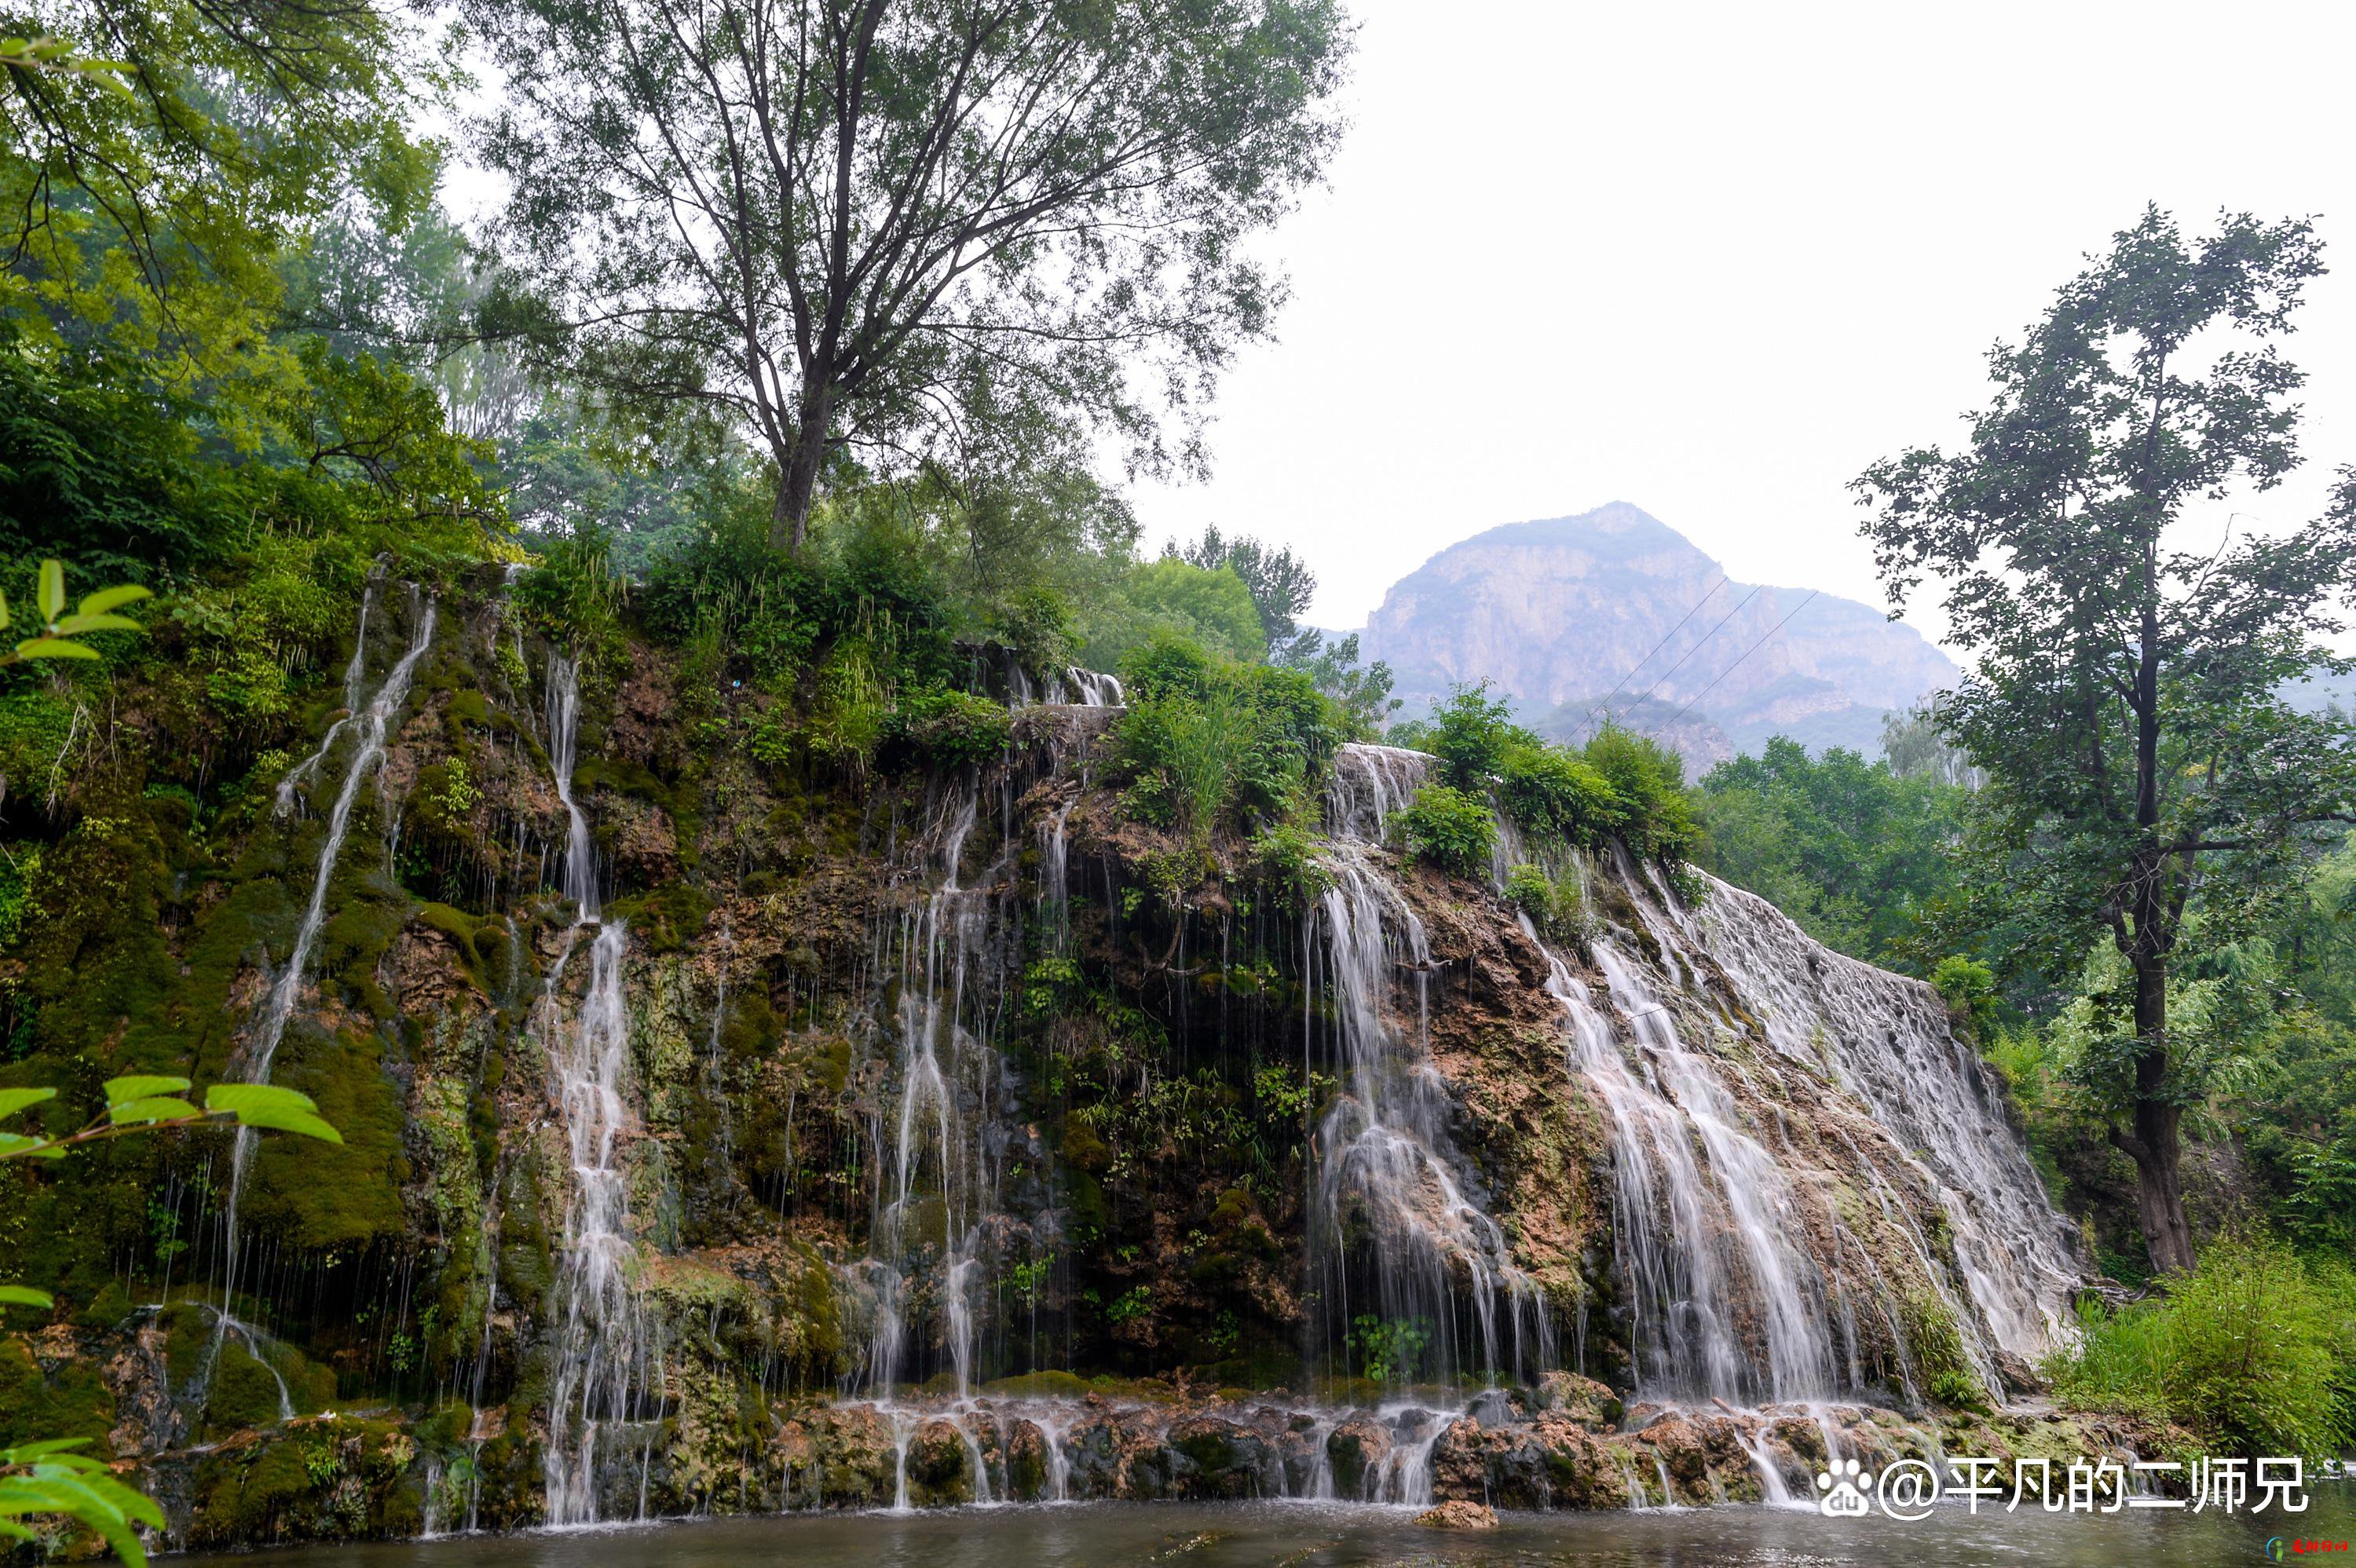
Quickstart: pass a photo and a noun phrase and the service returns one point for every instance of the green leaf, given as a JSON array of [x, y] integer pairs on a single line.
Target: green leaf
[[23, 1295], [14, 1100], [16, 1145], [162, 1108], [142, 1086], [83, 625], [106, 599], [51, 1448], [53, 648], [3, 612], [267, 1105], [53, 590]]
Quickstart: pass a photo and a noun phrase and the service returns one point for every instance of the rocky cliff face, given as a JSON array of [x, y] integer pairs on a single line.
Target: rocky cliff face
[[1558, 612], [719, 1135]]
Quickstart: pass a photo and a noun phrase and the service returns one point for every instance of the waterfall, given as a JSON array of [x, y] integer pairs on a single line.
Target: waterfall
[[936, 1189], [1741, 1278], [1391, 1208], [1368, 784], [599, 1350], [371, 725], [1890, 1044]]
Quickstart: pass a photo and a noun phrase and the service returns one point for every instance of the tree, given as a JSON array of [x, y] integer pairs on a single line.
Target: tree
[[852, 223], [2128, 695], [153, 195], [1282, 586], [1851, 850]]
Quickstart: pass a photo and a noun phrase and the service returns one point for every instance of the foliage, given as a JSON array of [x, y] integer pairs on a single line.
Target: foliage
[[573, 593], [1852, 852], [947, 226], [2251, 1352], [1205, 738], [1388, 1349], [1451, 829], [57, 635], [1657, 816], [1968, 987], [38, 1479], [153, 223], [1280, 582], [1362, 691], [951, 728], [146, 1101], [1161, 599], [49, 1478], [2129, 698]]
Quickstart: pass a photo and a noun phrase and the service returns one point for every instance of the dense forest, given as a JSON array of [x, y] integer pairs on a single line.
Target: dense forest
[[627, 662]]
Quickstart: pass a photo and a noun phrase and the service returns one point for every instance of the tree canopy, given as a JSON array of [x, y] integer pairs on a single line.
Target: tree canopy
[[2128, 694], [896, 229]]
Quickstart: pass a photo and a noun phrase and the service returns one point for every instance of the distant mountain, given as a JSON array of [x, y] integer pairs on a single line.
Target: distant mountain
[[1560, 613]]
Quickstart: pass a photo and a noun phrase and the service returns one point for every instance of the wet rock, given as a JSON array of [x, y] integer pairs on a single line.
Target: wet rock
[[1029, 1466], [1354, 1451], [1457, 1515], [1582, 1400], [941, 1465], [2020, 1380]]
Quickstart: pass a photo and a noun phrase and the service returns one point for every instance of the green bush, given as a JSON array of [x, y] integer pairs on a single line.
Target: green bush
[[2254, 1352], [1470, 733], [948, 728], [1204, 739], [1968, 987], [1649, 781], [1552, 792], [1451, 829]]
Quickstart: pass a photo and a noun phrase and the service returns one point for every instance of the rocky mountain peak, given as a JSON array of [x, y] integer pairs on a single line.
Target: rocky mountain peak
[[1560, 612]]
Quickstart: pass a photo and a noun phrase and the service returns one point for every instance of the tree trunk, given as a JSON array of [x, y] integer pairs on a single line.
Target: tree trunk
[[798, 482], [2155, 1144]]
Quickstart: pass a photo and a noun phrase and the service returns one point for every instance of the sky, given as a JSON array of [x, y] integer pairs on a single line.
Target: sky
[[1716, 259]]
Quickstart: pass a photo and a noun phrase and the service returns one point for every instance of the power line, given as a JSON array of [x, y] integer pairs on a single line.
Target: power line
[[1657, 647], [1753, 648], [1706, 636]]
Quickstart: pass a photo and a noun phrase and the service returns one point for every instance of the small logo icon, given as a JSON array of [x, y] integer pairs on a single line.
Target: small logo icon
[[2276, 1550], [1844, 1486]]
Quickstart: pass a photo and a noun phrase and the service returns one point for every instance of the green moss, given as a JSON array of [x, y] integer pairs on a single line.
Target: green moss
[[70, 1399], [666, 918]]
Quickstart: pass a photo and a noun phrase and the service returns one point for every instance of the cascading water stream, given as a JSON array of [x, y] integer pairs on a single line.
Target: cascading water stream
[[600, 1350], [371, 726], [1391, 1206], [937, 1178]]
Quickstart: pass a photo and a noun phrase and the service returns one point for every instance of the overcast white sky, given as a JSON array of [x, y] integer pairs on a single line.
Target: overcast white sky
[[1715, 260]]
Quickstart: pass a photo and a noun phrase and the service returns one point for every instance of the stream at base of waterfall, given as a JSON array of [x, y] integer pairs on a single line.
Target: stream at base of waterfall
[[1311, 1535]]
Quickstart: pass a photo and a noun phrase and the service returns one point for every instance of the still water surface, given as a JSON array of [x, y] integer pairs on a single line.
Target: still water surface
[[1311, 1535]]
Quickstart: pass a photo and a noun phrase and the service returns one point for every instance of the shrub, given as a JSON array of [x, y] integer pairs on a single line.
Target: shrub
[[1451, 829], [1650, 782], [1549, 791], [948, 728], [1470, 733], [1968, 987], [1203, 738], [2254, 1352]]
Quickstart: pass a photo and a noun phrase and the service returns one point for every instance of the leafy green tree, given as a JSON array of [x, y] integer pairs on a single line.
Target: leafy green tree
[[1279, 582], [856, 224], [2128, 695], [1282, 586], [152, 200], [1849, 850]]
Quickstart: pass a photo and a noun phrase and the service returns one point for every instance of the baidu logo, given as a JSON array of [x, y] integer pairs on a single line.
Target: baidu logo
[[1845, 1486]]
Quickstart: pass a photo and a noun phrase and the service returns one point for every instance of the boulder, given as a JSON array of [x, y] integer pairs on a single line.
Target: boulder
[[1459, 1515]]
